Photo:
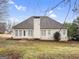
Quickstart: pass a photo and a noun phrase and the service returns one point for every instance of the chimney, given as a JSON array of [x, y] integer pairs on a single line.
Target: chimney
[[36, 27]]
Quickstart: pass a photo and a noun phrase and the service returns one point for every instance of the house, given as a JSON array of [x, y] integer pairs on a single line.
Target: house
[[2, 28], [41, 27]]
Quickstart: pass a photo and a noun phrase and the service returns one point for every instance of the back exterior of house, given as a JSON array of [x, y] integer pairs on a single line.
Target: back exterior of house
[[41, 27]]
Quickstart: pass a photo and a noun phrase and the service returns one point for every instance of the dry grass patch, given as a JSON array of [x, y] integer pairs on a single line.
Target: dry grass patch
[[42, 49]]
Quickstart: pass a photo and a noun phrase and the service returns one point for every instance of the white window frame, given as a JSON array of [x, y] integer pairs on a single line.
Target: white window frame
[[30, 32], [24, 32], [43, 32], [16, 33], [20, 32], [49, 32], [64, 31]]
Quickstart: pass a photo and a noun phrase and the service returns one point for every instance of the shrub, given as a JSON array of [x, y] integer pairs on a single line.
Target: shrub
[[56, 36]]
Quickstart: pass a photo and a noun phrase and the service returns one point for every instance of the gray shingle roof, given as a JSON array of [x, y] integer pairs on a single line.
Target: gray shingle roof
[[45, 23]]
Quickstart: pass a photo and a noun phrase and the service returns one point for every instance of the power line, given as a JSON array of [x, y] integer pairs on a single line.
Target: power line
[[54, 7], [75, 7], [66, 15], [47, 9], [57, 6], [75, 3]]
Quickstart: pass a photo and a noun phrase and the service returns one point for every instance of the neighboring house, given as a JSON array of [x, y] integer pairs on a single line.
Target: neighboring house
[[2, 28], [41, 27]]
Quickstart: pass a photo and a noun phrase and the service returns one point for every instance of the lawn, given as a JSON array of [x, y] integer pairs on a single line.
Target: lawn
[[41, 49]]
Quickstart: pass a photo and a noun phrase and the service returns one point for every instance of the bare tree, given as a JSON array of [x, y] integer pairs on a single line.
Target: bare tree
[[3, 10]]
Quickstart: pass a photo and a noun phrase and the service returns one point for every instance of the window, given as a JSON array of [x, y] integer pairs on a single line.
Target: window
[[20, 32], [43, 32], [64, 32], [30, 32], [16, 32], [49, 32], [24, 33]]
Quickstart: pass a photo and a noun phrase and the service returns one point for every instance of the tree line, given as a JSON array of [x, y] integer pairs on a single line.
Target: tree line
[[73, 28]]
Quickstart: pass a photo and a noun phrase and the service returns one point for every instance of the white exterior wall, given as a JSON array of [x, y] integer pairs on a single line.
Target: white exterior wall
[[63, 34], [52, 31], [22, 36]]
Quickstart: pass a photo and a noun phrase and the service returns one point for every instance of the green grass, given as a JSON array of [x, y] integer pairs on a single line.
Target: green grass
[[41, 49]]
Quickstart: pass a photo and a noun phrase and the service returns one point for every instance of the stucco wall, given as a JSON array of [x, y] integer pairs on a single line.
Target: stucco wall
[[63, 33], [26, 33]]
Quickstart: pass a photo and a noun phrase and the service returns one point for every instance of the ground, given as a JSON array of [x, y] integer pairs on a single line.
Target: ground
[[36, 49]]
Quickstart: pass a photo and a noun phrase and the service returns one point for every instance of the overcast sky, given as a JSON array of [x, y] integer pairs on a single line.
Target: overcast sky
[[20, 10]]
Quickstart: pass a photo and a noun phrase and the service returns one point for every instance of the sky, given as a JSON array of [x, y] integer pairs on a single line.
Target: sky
[[20, 10]]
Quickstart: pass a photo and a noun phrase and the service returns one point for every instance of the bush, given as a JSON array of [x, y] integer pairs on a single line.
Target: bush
[[56, 36]]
